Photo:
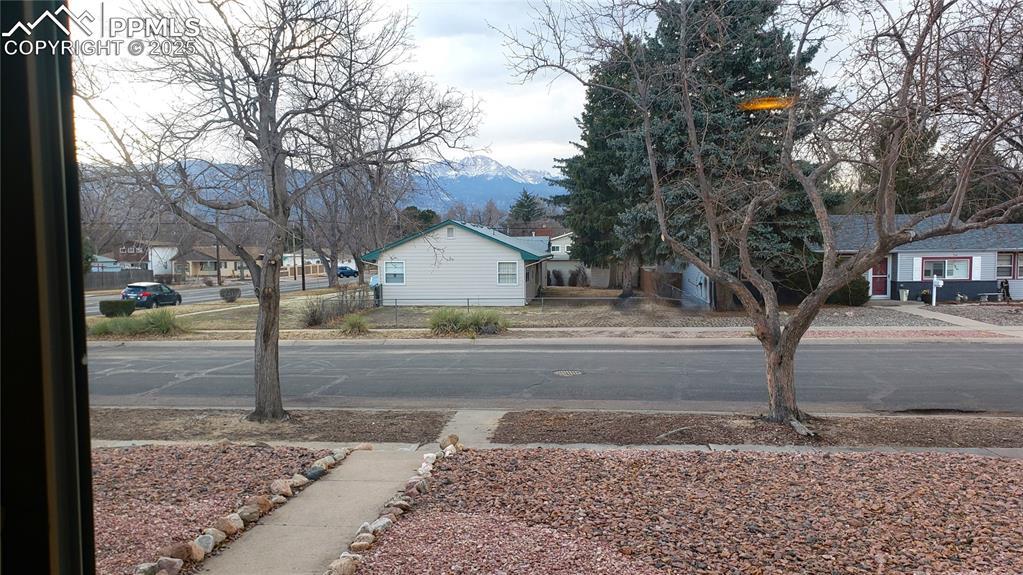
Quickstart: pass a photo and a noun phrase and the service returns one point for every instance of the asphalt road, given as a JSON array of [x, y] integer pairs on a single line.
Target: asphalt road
[[543, 374], [204, 294]]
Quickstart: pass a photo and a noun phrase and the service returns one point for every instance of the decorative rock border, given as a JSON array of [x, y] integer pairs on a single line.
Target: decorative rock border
[[402, 502], [173, 558]]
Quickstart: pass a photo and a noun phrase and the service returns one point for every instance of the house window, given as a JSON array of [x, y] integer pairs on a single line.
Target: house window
[[394, 273], [124, 250], [1019, 265], [950, 269], [1004, 266], [507, 273], [555, 249], [451, 232]]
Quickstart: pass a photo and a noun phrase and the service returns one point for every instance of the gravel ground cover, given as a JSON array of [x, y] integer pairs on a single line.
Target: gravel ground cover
[[997, 314], [712, 513], [643, 313], [148, 497], [625, 428], [339, 425], [493, 544]]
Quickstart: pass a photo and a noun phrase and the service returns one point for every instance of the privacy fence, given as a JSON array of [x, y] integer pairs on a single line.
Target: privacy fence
[[116, 280]]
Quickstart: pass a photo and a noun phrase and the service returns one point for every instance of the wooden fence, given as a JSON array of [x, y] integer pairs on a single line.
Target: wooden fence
[[116, 280]]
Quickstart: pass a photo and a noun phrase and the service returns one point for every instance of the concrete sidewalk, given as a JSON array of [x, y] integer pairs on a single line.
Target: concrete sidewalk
[[305, 535]]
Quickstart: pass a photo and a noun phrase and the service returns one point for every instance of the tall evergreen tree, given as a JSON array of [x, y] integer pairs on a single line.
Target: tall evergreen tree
[[597, 191], [526, 208], [608, 204]]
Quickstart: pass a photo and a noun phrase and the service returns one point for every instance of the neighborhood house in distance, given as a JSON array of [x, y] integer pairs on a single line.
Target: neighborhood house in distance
[[456, 264], [972, 263]]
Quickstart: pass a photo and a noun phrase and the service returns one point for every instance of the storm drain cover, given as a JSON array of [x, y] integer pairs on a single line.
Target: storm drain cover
[[568, 372]]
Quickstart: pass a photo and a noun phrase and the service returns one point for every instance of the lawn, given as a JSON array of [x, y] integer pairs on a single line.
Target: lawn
[[148, 497], [644, 512], [639, 312]]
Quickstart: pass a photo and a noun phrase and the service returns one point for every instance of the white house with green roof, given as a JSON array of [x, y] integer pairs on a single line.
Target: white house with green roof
[[457, 264]]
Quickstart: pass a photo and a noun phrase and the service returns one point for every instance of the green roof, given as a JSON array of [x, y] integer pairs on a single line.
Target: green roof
[[531, 248]]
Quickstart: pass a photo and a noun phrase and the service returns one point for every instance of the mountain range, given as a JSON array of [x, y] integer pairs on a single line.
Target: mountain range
[[475, 179]]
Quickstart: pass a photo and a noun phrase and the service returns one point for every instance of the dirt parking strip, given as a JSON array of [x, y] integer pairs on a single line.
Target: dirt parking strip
[[631, 428], [337, 425]]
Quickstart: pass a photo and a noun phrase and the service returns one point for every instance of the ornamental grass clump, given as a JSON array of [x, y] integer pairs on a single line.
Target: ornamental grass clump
[[156, 322]]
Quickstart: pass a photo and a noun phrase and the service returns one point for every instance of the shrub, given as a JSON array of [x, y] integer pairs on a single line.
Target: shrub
[[117, 307], [313, 313], [157, 322], [354, 324], [446, 321], [230, 294], [207, 282], [484, 321], [855, 293], [476, 322], [559, 278]]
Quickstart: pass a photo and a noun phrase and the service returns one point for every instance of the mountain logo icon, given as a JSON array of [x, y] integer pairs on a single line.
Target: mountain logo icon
[[81, 21]]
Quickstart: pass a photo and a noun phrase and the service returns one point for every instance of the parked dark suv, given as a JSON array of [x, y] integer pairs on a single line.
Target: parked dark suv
[[347, 272], [150, 294]]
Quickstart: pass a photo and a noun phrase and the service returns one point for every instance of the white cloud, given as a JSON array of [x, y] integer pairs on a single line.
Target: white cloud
[[523, 125]]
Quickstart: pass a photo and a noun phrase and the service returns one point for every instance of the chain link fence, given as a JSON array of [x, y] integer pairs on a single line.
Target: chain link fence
[[542, 311]]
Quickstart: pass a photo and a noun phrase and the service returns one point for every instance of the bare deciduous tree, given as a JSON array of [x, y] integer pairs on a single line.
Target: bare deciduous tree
[[399, 124], [944, 65], [261, 75]]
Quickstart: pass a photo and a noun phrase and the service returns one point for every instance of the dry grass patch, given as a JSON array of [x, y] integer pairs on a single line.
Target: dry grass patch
[[338, 425]]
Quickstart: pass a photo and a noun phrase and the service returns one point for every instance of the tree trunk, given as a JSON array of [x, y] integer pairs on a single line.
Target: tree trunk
[[627, 290], [361, 268], [781, 382], [269, 406], [330, 268]]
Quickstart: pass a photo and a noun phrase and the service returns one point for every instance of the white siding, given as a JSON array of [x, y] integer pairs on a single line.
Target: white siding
[[564, 244], [160, 259], [695, 284], [448, 271], [1016, 289], [910, 263]]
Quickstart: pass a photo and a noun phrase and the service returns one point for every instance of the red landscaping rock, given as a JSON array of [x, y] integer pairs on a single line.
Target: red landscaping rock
[[149, 497], [554, 511], [492, 544]]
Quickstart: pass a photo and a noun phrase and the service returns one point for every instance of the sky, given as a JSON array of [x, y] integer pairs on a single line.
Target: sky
[[525, 126]]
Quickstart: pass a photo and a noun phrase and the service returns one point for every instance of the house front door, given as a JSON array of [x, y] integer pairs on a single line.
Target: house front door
[[879, 279]]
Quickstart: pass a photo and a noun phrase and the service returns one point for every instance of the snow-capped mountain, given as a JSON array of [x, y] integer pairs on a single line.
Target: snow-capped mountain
[[482, 166], [475, 179]]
